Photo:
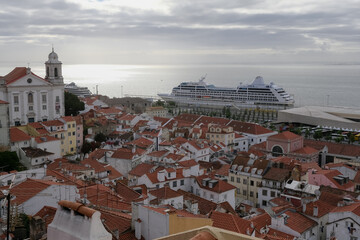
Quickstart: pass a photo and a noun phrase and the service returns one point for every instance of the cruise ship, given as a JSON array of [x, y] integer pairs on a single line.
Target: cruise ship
[[256, 94], [78, 91]]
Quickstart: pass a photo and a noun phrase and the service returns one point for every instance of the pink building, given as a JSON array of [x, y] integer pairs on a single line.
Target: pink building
[[79, 133], [292, 145], [331, 178]]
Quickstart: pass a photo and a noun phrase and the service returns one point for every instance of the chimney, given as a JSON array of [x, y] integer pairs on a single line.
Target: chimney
[[138, 228], [161, 175], [316, 211], [304, 207], [134, 149], [285, 219], [60, 164]]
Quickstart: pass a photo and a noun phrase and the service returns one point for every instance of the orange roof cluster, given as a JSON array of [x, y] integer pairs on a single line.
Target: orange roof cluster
[[165, 193], [220, 186], [16, 135], [298, 222], [249, 128], [141, 169], [28, 189]]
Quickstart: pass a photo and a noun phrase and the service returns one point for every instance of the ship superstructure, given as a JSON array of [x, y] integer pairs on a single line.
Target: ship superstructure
[[256, 93]]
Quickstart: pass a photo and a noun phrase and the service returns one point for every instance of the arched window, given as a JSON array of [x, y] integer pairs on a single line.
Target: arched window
[[277, 151], [56, 72], [30, 98], [47, 71]]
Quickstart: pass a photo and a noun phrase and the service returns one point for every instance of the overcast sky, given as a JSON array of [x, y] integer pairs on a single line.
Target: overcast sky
[[180, 31]]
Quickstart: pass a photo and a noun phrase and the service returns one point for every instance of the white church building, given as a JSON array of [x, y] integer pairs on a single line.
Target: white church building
[[32, 98]]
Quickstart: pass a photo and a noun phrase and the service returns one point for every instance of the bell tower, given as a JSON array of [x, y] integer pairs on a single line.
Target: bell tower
[[53, 69]]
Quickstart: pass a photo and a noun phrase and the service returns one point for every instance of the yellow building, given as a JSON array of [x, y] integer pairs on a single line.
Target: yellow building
[[221, 133], [245, 174], [70, 135]]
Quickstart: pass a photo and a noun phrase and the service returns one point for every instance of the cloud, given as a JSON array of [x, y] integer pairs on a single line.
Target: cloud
[[177, 28]]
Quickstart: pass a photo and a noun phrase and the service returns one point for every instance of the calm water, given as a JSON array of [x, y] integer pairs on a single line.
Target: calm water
[[338, 85]]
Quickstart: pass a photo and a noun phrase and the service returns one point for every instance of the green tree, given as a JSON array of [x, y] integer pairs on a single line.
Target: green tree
[[86, 147], [72, 104], [100, 137], [227, 113], [318, 135], [9, 161]]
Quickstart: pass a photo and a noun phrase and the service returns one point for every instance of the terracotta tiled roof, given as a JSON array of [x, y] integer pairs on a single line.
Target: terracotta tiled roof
[[298, 222], [97, 166], [64, 164], [249, 128], [127, 193], [112, 172], [215, 120], [46, 139], [141, 142], [179, 140], [114, 222], [220, 186], [141, 169], [15, 74], [354, 208], [287, 135], [68, 118], [223, 171], [165, 193], [125, 153], [306, 150], [322, 206], [47, 214], [68, 180], [188, 163], [127, 117], [3, 102], [16, 135], [174, 157], [261, 220], [103, 196], [231, 222], [165, 143], [99, 153], [187, 117], [28, 189], [161, 120], [53, 123], [335, 148], [277, 174], [158, 153], [35, 152]]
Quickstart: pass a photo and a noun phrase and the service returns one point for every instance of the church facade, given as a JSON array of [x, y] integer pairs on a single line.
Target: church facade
[[32, 98]]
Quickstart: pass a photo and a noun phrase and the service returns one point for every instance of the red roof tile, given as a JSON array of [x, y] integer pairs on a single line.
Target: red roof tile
[[47, 214], [164, 193], [141, 169], [231, 222], [249, 128], [16, 135], [220, 187], [298, 222], [285, 136]]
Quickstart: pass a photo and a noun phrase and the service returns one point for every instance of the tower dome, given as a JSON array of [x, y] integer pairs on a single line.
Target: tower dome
[[53, 57]]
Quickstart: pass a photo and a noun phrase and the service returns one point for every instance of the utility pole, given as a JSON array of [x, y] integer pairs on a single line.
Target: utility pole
[[8, 197]]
